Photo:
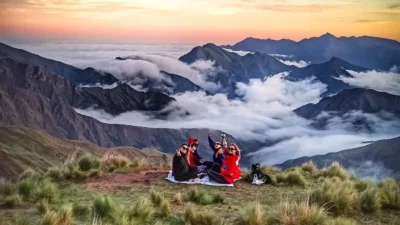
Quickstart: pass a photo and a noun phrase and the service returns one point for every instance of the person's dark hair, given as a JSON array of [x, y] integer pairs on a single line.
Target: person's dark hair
[[183, 145]]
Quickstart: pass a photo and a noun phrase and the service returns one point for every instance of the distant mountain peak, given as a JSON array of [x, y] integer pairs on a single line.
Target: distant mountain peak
[[328, 35]]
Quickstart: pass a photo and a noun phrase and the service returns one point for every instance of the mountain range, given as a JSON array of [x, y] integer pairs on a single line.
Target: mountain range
[[365, 51]]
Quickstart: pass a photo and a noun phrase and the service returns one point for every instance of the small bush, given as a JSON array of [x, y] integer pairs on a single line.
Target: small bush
[[79, 209], [88, 162], [339, 197], [165, 208], [29, 173], [103, 206], [363, 184], [49, 218], [370, 200], [309, 167], [65, 216], [335, 170], [194, 217], [118, 161], [289, 213], [13, 201], [390, 194], [341, 221], [56, 173], [142, 210], [6, 187], [140, 163], [26, 188], [252, 215], [156, 197], [46, 190], [177, 199], [42, 207]]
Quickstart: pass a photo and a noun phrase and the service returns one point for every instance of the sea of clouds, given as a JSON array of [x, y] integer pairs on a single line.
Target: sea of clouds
[[263, 113]]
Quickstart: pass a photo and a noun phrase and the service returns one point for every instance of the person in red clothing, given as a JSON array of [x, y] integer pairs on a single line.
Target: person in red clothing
[[193, 156], [229, 171]]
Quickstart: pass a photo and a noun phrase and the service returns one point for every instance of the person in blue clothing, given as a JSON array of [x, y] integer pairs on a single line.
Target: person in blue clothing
[[219, 152]]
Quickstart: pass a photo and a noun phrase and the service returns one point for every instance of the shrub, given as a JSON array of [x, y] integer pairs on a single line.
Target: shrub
[[390, 194], [141, 210], [193, 217], [88, 162], [56, 172], [289, 213], [65, 216], [335, 170], [177, 199], [339, 197], [140, 163], [103, 206], [46, 190], [13, 201], [363, 184], [29, 173], [370, 200], [6, 187], [42, 207], [26, 188], [252, 215], [341, 221], [309, 167], [49, 218], [79, 209], [165, 208], [280, 178], [156, 197]]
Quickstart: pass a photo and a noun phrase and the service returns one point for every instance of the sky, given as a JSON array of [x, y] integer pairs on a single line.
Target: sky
[[195, 21]]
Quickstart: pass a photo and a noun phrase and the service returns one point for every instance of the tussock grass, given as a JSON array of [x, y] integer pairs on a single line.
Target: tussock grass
[[156, 197], [141, 210], [46, 190], [335, 170], [12, 201], [65, 216], [252, 214], [293, 213], [193, 217], [177, 199], [246, 176], [7, 187], [88, 162], [27, 188], [56, 172], [117, 162], [165, 208], [390, 194], [370, 200], [291, 178], [203, 198], [79, 209], [363, 184], [140, 163], [29, 173], [20, 220], [49, 218], [309, 167], [341, 221], [339, 197], [103, 207], [42, 207]]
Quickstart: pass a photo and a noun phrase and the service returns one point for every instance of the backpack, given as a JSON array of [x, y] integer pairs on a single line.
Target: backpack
[[258, 176]]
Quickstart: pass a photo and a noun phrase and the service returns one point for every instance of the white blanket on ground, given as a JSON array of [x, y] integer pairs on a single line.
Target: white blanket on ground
[[204, 181]]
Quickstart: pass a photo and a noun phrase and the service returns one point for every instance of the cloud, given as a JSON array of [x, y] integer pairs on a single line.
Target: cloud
[[373, 171], [300, 63], [241, 53], [381, 81]]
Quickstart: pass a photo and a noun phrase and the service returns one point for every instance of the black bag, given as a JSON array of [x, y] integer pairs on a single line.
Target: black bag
[[258, 176]]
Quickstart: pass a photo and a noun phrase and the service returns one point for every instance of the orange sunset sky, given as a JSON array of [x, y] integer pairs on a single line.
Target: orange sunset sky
[[192, 21]]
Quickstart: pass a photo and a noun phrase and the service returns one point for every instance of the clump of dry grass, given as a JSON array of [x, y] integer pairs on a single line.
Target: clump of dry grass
[[335, 170], [142, 210], [252, 215], [291, 178], [390, 194], [309, 167], [370, 200], [194, 217], [177, 199]]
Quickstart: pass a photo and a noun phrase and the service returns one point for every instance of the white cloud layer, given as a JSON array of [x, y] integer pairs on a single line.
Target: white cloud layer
[[265, 113], [241, 53], [300, 63], [381, 81]]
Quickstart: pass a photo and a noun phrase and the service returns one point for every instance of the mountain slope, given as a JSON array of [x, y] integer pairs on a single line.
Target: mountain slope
[[235, 68], [86, 76], [365, 100], [327, 73], [365, 51], [32, 97], [23, 148], [383, 153]]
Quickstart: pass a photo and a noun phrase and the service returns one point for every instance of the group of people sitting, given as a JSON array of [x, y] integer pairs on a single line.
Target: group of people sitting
[[187, 164]]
